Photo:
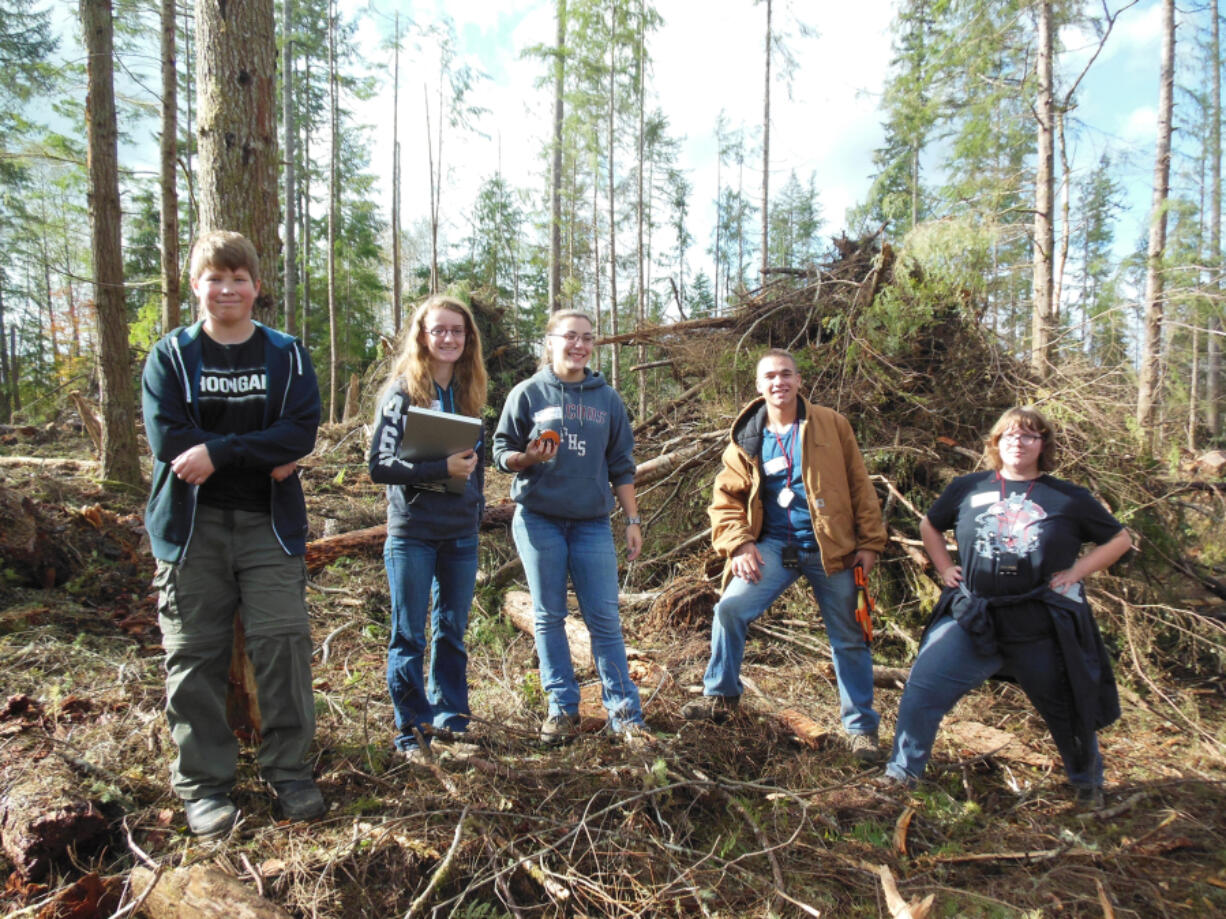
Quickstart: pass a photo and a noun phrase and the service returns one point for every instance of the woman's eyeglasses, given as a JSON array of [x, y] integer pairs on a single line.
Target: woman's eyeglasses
[[443, 333], [1026, 440], [571, 337]]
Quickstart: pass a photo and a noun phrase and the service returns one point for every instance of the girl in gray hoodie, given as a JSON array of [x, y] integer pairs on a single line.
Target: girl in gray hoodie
[[566, 436]]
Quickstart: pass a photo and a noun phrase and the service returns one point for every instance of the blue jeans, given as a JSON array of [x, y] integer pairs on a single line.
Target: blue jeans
[[744, 602], [552, 548], [948, 667], [438, 575]]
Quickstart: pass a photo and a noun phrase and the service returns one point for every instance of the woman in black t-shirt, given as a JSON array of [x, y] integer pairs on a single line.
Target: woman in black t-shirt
[[1014, 604]]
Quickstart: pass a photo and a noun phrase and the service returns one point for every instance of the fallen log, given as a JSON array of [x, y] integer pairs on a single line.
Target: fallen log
[[883, 677], [517, 604], [655, 469], [200, 892], [369, 541], [40, 817], [647, 333], [672, 406]]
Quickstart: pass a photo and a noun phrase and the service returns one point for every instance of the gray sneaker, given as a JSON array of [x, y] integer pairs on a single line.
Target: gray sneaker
[[299, 799], [211, 816], [865, 747], [711, 708], [558, 729]]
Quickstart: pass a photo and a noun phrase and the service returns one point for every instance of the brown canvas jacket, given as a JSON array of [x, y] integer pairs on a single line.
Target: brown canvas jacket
[[849, 518]]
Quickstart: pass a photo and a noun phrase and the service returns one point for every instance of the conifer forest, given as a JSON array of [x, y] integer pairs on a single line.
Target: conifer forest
[[1036, 220]]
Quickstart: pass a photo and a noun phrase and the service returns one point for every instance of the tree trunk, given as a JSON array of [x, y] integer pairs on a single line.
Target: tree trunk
[[291, 176], [766, 146], [1044, 239], [169, 163], [236, 64], [1147, 388], [7, 380], [120, 460], [640, 255], [1213, 344], [397, 280], [333, 194], [615, 358], [555, 174]]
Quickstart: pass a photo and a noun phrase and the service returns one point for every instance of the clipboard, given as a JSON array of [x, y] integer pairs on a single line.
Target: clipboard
[[435, 435]]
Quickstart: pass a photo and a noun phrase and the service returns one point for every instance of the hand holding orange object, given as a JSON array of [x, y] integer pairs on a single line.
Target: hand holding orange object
[[864, 604], [548, 436]]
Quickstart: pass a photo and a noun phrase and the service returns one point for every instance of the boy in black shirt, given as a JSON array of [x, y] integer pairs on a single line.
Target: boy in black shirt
[[230, 406]]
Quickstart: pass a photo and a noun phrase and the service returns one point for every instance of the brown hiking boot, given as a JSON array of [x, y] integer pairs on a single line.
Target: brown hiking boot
[[865, 747], [711, 708], [558, 729]]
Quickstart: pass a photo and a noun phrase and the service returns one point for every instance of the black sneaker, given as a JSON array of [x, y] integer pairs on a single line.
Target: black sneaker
[[711, 708], [211, 816], [299, 799], [1088, 797]]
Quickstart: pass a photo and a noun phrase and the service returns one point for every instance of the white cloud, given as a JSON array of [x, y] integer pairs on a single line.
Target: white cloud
[[1140, 125]]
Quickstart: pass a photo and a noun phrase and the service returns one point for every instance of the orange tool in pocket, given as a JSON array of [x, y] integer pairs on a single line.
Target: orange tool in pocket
[[864, 604]]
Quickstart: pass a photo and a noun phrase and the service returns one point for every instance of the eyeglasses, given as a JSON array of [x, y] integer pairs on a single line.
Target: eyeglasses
[[443, 333], [1026, 440], [571, 337]]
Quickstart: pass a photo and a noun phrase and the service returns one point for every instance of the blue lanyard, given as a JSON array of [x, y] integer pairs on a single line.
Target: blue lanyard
[[446, 398]]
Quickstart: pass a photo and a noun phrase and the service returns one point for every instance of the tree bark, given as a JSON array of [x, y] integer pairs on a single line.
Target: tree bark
[[236, 62], [766, 145], [291, 176], [120, 459], [200, 892], [1044, 239], [169, 158], [1147, 388]]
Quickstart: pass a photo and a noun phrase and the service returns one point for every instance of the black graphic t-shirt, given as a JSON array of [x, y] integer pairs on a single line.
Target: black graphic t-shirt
[[233, 391], [1013, 536]]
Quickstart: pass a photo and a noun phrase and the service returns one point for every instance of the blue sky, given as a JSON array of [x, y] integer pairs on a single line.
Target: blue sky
[[706, 61]]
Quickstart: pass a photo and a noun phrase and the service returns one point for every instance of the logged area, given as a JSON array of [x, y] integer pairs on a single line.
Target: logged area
[[767, 813]]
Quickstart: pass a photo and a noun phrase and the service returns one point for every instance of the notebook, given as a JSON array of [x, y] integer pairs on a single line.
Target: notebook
[[433, 435]]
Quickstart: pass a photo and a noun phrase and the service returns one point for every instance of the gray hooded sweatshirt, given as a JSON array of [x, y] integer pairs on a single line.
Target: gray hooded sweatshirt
[[596, 449]]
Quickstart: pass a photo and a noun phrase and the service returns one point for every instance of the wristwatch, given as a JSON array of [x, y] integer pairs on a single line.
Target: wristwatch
[[635, 521]]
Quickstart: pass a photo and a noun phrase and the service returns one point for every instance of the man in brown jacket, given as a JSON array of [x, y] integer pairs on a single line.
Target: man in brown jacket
[[793, 497]]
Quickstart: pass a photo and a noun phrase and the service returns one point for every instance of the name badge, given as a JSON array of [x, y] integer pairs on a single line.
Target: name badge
[[550, 413], [775, 466], [984, 497], [786, 497], [436, 405]]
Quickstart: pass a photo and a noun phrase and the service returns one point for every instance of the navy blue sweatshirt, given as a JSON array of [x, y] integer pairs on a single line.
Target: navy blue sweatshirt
[[170, 393], [596, 450], [413, 507]]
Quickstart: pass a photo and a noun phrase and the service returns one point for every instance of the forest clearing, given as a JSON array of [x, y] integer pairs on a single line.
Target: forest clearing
[[765, 815], [995, 256]]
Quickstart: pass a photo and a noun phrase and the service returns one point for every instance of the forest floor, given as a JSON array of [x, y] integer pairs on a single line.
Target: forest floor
[[742, 819]]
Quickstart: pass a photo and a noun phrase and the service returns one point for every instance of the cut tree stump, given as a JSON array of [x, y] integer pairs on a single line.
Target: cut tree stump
[[40, 817], [200, 892]]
